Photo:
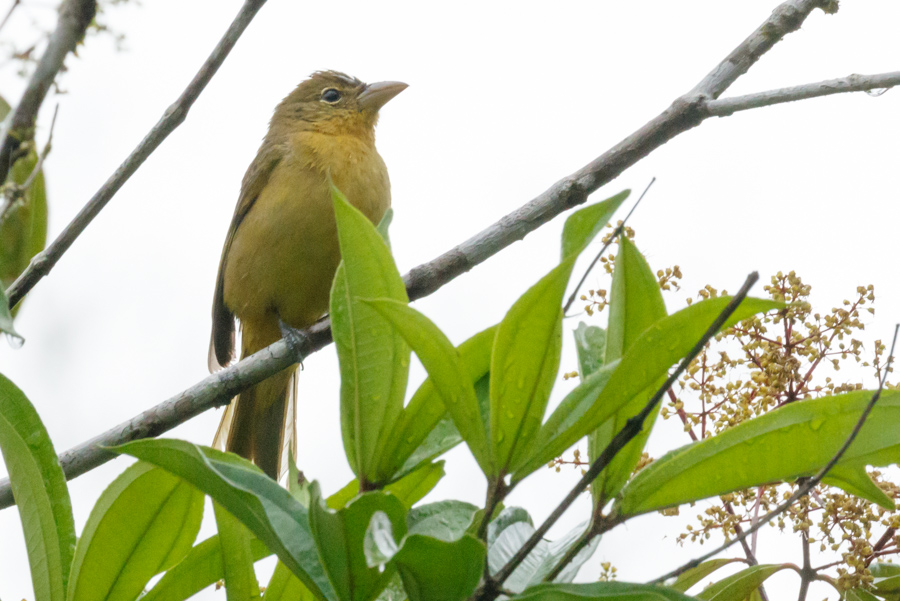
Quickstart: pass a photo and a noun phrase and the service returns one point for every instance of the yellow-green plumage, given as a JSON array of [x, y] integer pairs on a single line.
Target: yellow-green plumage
[[281, 251]]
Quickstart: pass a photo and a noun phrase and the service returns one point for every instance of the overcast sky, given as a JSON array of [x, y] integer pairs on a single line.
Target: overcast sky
[[505, 98]]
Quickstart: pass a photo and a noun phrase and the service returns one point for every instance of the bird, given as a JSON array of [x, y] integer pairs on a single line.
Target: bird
[[281, 251]]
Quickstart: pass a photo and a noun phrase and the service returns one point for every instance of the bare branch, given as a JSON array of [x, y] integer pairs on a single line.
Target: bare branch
[[632, 428], [807, 485], [852, 83], [74, 18], [785, 19], [44, 261], [685, 113]]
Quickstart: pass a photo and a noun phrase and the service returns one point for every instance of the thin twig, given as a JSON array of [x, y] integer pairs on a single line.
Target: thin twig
[[44, 261], [882, 542], [612, 238], [9, 13], [631, 429], [759, 493], [852, 83], [74, 18], [807, 575], [748, 552], [17, 191], [804, 488]]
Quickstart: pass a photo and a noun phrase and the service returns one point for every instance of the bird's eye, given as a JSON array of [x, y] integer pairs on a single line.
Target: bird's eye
[[330, 95]]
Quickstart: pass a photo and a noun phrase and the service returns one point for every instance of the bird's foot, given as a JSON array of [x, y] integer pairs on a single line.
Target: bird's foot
[[296, 339]]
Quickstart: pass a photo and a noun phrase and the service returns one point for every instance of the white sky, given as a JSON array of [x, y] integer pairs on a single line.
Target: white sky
[[504, 99]]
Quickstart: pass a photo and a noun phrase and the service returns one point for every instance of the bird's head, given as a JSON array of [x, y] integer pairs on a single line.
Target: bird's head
[[334, 103]]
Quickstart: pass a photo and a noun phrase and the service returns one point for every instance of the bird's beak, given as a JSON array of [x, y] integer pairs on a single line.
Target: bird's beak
[[376, 95]]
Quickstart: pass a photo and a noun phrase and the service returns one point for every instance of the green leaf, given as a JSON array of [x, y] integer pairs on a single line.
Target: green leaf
[[237, 557], [738, 587], [635, 301], [201, 568], [284, 586], [580, 399], [39, 488], [436, 570], [340, 535], [443, 520], [653, 353], [858, 594], [431, 569], [506, 518], [393, 591], [446, 371], [612, 591], [144, 523], [346, 494], [635, 304], [524, 366], [374, 359], [691, 577], [793, 441], [884, 570], [583, 225], [268, 510], [23, 233], [384, 225], [297, 483], [413, 486], [541, 560], [590, 346], [425, 430], [886, 577], [409, 489]]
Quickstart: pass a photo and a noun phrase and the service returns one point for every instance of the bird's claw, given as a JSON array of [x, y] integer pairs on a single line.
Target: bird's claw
[[296, 339]]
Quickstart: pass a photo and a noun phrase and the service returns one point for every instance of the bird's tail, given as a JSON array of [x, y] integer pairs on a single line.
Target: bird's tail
[[260, 423]]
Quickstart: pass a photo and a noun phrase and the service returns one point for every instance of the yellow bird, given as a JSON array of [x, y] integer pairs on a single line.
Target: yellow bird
[[281, 250]]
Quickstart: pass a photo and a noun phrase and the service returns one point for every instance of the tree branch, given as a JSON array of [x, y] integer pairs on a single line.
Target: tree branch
[[685, 113], [786, 18], [724, 107], [44, 261], [804, 488], [74, 18]]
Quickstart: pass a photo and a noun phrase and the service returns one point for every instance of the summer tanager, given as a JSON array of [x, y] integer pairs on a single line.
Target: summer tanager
[[281, 251]]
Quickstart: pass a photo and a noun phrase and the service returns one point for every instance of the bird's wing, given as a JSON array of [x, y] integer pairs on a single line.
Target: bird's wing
[[221, 344]]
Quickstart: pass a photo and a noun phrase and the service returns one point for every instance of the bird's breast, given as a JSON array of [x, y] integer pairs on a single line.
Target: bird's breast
[[285, 251]]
